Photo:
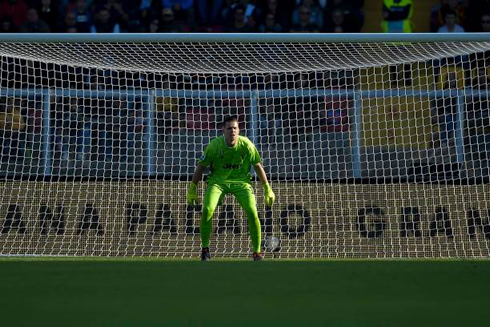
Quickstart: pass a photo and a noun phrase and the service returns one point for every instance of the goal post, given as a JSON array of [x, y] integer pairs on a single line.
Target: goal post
[[376, 145]]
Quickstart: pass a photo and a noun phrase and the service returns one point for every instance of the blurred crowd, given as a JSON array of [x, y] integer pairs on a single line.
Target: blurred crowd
[[96, 130], [270, 16], [457, 16], [173, 16]]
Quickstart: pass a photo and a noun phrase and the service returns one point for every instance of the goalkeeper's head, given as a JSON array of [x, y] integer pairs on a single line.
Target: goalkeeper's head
[[231, 130]]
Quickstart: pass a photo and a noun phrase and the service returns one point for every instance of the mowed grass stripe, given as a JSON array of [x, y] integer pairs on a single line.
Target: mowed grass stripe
[[98, 292]]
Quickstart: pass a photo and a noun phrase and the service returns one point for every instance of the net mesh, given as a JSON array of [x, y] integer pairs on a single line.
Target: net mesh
[[374, 150]]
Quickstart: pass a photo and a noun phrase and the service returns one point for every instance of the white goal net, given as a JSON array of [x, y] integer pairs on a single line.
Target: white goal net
[[375, 149]]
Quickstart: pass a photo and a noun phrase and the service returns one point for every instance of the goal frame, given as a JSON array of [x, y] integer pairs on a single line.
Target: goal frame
[[148, 97], [356, 95]]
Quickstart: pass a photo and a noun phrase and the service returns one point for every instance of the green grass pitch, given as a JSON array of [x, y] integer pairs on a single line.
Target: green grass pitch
[[160, 292]]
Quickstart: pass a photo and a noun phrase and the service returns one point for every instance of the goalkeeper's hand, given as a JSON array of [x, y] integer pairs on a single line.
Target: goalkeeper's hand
[[269, 196], [192, 194]]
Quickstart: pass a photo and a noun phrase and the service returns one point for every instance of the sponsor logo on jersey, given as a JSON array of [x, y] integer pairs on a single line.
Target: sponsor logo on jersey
[[233, 166]]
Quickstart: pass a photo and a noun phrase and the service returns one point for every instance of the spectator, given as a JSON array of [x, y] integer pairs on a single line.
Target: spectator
[[450, 25], [250, 9], [485, 23], [238, 24], [270, 25], [438, 13], [281, 16], [118, 125], [15, 9], [226, 11], [397, 16], [201, 118], [305, 25], [477, 120], [119, 12], [168, 24], [48, 12], [71, 5], [71, 124], [82, 16], [336, 115], [209, 11], [336, 126], [69, 23], [474, 12], [337, 23], [33, 23], [169, 117], [316, 13], [12, 126], [104, 23], [251, 15], [352, 11], [183, 10], [71, 29], [7, 26], [270, 122], [444, 111], [146, 10], [154, 26], [443, 119]]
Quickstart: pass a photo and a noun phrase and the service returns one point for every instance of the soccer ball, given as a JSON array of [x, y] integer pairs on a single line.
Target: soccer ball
[[272, 244]]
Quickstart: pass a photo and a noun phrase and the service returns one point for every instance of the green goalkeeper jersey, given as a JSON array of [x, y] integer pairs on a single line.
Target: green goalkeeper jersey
[[230, 164]]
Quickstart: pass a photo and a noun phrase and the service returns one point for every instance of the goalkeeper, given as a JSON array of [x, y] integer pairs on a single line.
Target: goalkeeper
[[229, 158]]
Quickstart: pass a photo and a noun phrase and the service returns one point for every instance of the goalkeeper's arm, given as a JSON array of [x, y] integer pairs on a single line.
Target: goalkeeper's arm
[[196, 178], [269, 196]]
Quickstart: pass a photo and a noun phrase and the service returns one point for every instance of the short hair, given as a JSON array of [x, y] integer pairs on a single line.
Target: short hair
[[229, 119], [450, 12], [239, 7]]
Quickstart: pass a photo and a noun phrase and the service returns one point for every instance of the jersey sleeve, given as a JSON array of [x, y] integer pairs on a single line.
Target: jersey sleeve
[[254, 155]]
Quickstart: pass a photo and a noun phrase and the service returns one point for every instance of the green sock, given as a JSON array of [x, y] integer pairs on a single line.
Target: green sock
[[255, 232], [206, 226]]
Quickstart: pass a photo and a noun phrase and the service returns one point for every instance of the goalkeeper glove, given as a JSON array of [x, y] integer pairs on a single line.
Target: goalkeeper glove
[[192, 194], [269, 196]]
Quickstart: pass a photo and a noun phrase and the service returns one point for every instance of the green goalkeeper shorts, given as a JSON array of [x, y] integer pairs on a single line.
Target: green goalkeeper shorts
[[243, 192]]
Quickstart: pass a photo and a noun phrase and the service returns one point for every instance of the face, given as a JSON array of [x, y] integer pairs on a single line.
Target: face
[[270, 20], [337, 17], [450, 19], [485, 23], [104, 16], [6, 25], [81, 4], [167, 15], [70, 19], [32, 16], [154, 25], [452, 3], [304, 15], [239, 13], [231, 131]]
